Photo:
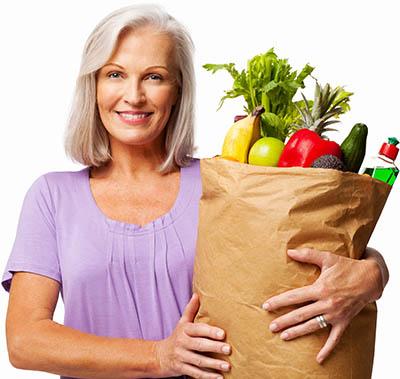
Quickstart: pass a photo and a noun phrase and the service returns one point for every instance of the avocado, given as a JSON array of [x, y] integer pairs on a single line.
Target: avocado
[[329, 161]]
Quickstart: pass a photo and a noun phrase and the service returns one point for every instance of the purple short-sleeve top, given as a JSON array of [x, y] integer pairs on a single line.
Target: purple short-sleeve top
[[117, 279]]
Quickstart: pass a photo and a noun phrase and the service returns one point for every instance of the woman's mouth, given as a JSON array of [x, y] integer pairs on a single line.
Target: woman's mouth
[[134, 118]]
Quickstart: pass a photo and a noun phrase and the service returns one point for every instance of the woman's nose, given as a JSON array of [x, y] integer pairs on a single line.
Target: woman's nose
[[134, 93]]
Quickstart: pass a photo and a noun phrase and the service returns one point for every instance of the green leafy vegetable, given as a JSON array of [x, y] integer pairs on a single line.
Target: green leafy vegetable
[[271, 82]]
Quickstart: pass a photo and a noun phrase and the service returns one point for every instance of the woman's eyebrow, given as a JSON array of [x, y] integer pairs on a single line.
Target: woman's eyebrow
[[158, 66], [113, 64], [147, 68]]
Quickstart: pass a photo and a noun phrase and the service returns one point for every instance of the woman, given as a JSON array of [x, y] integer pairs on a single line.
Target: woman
[[117, 238]]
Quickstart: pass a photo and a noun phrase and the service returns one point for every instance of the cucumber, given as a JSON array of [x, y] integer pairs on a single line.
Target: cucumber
[[353, 147]]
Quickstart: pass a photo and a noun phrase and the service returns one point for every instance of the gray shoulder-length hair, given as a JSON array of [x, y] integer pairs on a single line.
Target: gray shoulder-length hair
[[86, 139]]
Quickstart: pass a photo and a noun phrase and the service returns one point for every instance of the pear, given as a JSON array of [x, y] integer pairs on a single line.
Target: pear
[[242, 135]]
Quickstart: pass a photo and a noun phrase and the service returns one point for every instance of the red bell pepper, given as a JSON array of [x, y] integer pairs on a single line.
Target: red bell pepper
[[304, 147]]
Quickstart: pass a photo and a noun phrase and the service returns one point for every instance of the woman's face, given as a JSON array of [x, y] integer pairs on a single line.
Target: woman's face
[[137, 88]]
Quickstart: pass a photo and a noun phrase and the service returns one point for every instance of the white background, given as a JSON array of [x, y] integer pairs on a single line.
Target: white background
[[350, 43]]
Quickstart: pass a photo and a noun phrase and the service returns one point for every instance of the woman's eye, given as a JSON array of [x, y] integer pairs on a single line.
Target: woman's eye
[[154, 77], [114, 75]]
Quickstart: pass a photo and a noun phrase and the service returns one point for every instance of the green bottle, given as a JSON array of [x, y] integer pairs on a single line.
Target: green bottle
[[382, 167]]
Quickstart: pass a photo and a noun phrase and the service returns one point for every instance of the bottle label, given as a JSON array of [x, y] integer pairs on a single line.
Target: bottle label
[[387, 175]]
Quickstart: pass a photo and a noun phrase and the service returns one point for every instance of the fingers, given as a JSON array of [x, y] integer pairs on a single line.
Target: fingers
[[316, 257], [203, 361], [311, 326], [191, 339], [333, 339], [191, 309], [200, 329], [307, 327], [181, 353], [206, 345], [298, 316], [190, 349], [292, 297], [334, 295], [308, 293], [195, 372], [304, 294], [201, 337]]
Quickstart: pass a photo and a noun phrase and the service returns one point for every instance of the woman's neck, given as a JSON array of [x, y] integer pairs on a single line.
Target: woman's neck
[[132, 162]]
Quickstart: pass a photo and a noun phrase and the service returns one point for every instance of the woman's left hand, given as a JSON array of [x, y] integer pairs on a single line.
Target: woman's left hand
[[341, 291]]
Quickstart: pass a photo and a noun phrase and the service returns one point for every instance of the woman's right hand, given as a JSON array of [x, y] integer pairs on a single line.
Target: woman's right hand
[[180, 353]]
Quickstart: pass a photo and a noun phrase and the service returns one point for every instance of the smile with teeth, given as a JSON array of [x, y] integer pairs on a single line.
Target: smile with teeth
[[130, 116]]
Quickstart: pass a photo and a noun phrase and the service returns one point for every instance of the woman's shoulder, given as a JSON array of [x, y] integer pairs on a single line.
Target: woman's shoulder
[[54, 184], [193, 165], [192, 170], [53, 179], [65, 177]]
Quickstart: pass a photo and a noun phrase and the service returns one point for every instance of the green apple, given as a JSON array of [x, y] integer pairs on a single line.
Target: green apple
[[266, 152]]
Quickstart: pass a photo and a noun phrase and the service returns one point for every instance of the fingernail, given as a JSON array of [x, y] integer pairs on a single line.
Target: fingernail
[[292, 251], [226, 348], [266, 306], [320, 359], [225, 366], [220, 334], [273, 327], [284, 336]]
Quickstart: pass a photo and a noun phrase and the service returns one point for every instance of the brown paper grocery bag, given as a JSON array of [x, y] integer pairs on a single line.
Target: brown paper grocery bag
[[249, 217]]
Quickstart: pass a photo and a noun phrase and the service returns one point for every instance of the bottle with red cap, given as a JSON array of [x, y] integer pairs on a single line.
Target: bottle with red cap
[[382, 167]]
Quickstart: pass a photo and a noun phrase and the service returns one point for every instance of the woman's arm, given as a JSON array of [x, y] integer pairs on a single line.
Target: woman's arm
[[36, 342], [374, 255], [341, 291]]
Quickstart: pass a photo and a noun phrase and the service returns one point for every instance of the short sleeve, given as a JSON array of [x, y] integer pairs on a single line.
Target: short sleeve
[[35, 245]]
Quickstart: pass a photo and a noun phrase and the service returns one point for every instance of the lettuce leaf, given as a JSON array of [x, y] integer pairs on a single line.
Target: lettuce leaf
[[269, 81]]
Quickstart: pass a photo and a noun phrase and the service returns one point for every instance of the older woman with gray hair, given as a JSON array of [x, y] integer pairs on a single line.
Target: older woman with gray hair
[[117, 238]]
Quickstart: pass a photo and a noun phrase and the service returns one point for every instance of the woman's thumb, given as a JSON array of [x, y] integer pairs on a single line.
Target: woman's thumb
[[312, 256], [191, 309]]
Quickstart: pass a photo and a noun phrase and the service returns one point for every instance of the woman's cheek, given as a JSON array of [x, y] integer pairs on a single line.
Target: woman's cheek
[[107, 93]]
